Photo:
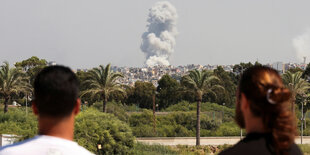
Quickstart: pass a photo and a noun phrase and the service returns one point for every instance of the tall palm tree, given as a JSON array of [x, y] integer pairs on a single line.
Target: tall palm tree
[[101, 81], [296, 84], [12, 81], [200, 83]]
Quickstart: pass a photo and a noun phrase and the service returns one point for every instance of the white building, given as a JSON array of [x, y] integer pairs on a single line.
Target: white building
[[51, 63], [279, 66]]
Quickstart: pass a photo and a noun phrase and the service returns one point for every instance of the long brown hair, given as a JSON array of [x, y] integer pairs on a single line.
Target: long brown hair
[[269, 99]]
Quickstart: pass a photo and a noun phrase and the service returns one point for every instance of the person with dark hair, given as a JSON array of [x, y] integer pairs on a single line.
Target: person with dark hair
[[262, 108], [56, 104]]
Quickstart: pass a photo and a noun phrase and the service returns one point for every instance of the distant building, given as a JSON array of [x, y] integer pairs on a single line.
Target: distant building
[[81, 70], [51, 63], [7, 139], [153, 74], [279, 66]]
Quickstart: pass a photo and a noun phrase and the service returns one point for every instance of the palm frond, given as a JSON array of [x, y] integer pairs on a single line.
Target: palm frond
[[101, 81], [200, 82], [295, 82]]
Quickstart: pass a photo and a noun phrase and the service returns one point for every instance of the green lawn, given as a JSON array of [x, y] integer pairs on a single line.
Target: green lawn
[[305, 148], [144, 149]]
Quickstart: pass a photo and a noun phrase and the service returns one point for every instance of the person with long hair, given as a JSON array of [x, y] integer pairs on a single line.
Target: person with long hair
[[263, 109]]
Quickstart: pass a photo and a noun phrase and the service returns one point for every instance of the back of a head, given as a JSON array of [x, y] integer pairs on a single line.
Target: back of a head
[[270, 100], [56, 91]]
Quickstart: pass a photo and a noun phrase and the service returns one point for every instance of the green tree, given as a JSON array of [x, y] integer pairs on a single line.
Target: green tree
[[257, 63], [32, 66], [12, 82], [199, 82], [296, 84], [82, 76], [17, 123], [86, 98], [295, 70], [93, 127], [228, 96], [306, 73], [167, 89], [101, 81], [239, 68], [304, 99], [142, 94]]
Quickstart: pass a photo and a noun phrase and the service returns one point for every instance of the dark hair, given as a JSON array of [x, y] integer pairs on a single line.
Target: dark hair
[[270, 100], [56, 90]]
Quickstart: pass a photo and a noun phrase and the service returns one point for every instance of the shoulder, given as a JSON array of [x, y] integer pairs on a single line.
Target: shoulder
[[256, 148], [20, 146], [45, 145], [81, 150], [295, 150], [227, 151], [247, 147]]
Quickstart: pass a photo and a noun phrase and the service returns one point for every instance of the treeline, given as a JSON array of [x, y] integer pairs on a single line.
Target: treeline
[[101, 85], [17, 85], [169, 91]]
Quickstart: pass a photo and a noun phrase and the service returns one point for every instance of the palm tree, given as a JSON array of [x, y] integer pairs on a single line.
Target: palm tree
[[12, 81], [296, 84], [200, 83], [101, 81]]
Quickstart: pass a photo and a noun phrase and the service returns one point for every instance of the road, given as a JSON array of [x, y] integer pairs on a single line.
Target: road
[[203, 140]]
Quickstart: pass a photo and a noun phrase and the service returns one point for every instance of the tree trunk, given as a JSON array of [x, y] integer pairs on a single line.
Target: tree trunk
[[105, 100], [154, 116], [302, 122], [293, 104], [305, 122], [6, 102], [198, 123], [304, 117]]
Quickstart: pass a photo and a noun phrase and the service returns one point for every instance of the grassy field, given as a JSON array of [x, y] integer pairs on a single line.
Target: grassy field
[[144, 149], [305, 148]]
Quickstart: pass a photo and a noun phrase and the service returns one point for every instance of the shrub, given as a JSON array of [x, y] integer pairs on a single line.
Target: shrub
[[16, 122], [223, 147], [117, 109], [181, 106], [228, 129], [142, 124], [143, 149], [305, 148], [175, 124], [94, 127], [212, 110], [197, 150], [132, 108]]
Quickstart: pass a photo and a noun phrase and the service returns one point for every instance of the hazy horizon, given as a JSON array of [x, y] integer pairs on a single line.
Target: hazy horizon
[[85, 34]]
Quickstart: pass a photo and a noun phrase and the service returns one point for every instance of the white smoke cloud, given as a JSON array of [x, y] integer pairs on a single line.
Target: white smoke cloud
[[302, 45], [159, 41]]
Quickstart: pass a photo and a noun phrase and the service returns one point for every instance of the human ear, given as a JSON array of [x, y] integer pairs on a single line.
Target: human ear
[[244, 102], [77, 106], [34, 108]]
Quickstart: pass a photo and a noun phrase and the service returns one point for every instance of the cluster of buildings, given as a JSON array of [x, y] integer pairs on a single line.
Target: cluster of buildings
[[283, 67], [153, 74]]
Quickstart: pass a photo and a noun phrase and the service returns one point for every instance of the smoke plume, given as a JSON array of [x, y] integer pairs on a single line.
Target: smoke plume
[[302, 45], [159, 40]]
